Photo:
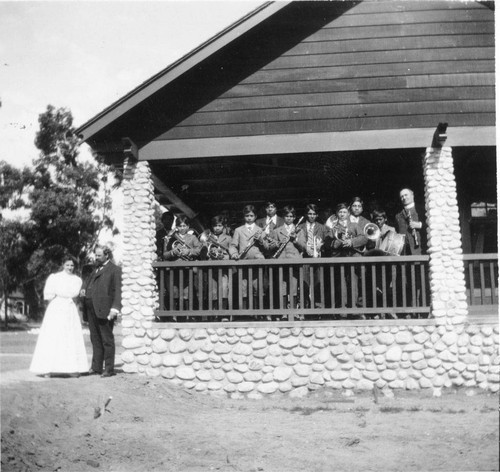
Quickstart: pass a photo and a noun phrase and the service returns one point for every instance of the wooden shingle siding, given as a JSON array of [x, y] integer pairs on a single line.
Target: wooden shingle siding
[[379, 65]]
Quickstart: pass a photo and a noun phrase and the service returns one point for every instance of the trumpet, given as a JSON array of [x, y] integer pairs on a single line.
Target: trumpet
[[215, 250], [282, 246], [414, 232]]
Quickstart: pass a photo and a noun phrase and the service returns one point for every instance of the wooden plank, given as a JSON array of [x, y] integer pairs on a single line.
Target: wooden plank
[[494, 293], [320, 111], [161, 302], [358, 17], [340, 124], [403, 95], [482, 282], [427, 81], [210, 287], [471, 283], [395, 46], [391, 6], [353, 72], [337, 33]]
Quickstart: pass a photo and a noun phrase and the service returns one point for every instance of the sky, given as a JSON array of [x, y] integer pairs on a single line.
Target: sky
[[84, 55]]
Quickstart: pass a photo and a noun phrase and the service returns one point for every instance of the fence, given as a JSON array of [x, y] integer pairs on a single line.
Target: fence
[[481, 278], [323, 288]]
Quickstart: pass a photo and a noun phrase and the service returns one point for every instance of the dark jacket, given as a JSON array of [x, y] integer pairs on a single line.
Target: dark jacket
[[417, 214], [104, 288]]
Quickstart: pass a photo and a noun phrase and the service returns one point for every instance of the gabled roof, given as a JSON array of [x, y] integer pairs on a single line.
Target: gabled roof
[[176, 69]]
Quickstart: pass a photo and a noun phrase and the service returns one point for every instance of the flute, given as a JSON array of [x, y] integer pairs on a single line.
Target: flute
[[414, 232]]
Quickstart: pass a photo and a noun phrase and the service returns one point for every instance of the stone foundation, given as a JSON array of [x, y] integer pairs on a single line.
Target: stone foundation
[[257, 361]]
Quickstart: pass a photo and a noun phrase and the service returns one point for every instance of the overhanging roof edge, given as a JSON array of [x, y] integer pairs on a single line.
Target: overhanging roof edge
[[162, 78]]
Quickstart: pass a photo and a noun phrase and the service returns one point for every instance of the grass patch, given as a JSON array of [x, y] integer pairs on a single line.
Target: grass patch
[[415, 408], [451, 411], [391, 409], [306, 411]]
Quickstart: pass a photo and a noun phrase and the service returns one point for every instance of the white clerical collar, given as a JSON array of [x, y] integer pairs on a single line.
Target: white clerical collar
[[411, 205]]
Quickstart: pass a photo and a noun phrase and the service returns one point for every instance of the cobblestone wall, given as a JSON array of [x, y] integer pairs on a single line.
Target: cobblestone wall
[[446, 266], [260, 361], [139, 291]]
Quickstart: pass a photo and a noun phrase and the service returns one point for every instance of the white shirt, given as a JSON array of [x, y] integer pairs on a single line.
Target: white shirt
[[354, 219], [249, 227]]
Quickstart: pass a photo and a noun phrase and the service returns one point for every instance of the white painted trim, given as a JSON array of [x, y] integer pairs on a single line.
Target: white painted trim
[[314, 142]]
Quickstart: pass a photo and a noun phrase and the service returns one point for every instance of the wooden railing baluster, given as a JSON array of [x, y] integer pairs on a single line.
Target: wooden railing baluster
[[320, 281]]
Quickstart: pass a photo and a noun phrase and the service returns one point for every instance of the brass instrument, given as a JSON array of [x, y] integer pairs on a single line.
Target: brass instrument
[[215, 250], [282, 246], [391, 243], [344, 234], [316, 249], [252, 241], [414, 232], [178, 245], [372, 231]]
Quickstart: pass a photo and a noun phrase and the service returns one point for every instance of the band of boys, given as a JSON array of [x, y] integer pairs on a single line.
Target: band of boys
[[290, 234]]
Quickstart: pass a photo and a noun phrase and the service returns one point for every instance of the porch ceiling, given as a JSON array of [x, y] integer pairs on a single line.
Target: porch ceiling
[[211, 185]]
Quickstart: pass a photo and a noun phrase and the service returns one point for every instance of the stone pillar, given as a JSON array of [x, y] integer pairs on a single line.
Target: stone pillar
[[447, 279], [139, 291]]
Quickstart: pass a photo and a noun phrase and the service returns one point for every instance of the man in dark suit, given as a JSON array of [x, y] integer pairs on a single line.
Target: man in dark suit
[[409, 222], [102, 304]]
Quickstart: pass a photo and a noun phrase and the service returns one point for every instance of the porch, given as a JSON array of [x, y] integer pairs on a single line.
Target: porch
[[355, 288]]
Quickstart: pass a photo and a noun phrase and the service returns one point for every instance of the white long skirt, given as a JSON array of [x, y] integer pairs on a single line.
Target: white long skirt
[[60, 348]]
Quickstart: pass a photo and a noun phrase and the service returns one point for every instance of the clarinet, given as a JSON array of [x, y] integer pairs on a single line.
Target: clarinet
[[414, 232]]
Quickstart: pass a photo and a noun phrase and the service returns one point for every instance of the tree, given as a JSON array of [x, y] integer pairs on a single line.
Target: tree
[[62, 193], [13, 259]]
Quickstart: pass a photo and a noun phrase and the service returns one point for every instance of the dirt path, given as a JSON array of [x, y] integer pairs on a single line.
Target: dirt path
[[49, 425]]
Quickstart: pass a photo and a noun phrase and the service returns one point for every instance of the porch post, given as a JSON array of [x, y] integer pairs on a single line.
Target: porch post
[[139, 291], [447, 278]]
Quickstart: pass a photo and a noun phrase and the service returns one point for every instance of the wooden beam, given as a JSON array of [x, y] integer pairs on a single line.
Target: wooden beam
[[313, 142], [173, 198]]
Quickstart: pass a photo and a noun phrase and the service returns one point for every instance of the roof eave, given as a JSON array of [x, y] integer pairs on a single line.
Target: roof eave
[[179, 67]]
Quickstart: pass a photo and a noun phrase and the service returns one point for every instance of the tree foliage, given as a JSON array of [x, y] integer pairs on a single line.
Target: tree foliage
[[62, 192]]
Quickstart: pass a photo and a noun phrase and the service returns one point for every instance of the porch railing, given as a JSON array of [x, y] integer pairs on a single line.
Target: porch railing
[[326, 288], [481, 278]]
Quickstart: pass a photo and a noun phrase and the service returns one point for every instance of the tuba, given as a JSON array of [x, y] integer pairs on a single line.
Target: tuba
[[371, 231]]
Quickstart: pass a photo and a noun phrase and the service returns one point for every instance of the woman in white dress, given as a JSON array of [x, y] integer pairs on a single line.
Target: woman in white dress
[[60, 348]]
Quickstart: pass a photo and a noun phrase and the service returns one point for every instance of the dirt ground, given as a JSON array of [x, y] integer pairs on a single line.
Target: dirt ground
[[150, 425]]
